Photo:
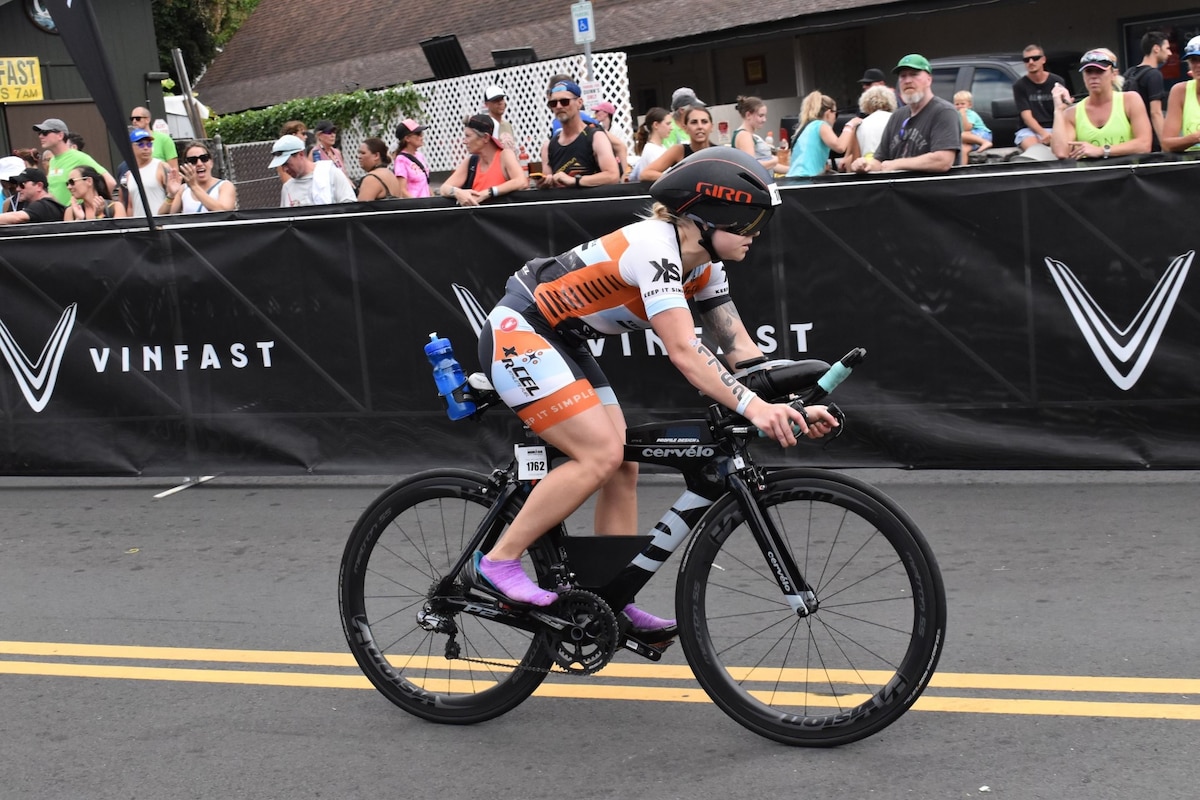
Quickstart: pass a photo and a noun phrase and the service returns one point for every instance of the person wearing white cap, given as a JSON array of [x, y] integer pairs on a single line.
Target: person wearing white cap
[[1181, 130], [496, 101], [1107, 122], [313, 183], [10, 167]]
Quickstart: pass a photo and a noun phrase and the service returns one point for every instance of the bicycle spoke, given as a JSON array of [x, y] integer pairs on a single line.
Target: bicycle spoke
[[831, 676]]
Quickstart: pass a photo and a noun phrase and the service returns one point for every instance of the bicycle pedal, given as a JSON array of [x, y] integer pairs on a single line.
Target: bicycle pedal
[[653, 652]]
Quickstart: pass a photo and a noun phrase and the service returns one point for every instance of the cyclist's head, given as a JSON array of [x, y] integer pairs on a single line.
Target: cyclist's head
[[719, 188]]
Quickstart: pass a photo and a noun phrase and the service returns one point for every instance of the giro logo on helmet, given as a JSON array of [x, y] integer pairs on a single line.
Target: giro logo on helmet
[[726, 193]]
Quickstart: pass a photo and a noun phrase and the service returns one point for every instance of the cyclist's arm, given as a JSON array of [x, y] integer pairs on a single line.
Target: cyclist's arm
[[725, 332], [696, 362]]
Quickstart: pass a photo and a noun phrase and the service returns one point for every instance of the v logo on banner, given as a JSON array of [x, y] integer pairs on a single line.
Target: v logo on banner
[[1134, 343], [37, 379]]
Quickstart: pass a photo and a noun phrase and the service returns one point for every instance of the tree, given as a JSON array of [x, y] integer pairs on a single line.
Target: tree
[[198, 28]]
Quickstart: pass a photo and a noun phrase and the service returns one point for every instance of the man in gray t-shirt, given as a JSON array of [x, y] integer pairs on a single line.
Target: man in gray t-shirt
[[925, 135], [312, 184]]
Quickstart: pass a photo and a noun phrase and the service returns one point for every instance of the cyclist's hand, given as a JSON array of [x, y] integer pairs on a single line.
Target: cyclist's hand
[[820, 421], [777, 420]]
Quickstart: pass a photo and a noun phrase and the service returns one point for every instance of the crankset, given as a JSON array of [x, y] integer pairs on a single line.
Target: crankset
[[590, 637]]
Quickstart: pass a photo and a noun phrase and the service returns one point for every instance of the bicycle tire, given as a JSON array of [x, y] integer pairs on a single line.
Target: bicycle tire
[[846, 671], [401, 546]]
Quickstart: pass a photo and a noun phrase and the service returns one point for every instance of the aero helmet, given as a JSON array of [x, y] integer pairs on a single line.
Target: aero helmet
[[719, 187]]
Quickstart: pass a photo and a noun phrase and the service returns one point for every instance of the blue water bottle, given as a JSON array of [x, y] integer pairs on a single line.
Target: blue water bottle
[[448, 375]]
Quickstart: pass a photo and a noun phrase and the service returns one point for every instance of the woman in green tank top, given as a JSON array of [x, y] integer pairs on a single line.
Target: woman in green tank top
[[1108, 122], [1181, 131]]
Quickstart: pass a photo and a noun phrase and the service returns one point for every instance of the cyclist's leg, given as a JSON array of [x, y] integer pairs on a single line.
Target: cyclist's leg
[[538, 376], [616, 515], [594, 452], [616, 505]]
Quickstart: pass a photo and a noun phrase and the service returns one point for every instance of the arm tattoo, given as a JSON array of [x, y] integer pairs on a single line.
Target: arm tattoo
[[737, 389], [720, 326]]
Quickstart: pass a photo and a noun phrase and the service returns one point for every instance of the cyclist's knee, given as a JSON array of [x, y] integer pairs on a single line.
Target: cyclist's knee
[[625, 475], [604, 458]]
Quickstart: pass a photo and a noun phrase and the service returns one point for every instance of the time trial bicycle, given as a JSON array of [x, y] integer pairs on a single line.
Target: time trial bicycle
[[810, 607]]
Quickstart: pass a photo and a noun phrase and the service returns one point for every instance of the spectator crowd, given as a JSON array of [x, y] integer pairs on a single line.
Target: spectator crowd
[[906, 127]]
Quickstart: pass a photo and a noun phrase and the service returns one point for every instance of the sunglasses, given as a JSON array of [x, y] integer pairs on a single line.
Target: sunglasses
[[561, 101], [73, 181], [144, 143], [202, 159], [135, 119], [1028, 59]]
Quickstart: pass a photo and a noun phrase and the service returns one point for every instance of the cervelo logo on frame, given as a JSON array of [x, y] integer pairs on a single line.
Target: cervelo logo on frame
[[37, 378], [1135, 342]]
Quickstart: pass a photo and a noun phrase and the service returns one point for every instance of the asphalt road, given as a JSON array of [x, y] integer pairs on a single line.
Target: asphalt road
[[189, 647]]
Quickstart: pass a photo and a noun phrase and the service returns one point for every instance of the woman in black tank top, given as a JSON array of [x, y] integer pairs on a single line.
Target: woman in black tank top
[[699, 128]]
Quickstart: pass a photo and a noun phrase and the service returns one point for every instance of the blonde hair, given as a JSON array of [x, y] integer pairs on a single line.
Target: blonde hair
[[965, 96], [660, 213], [814, 105], [877, 98]]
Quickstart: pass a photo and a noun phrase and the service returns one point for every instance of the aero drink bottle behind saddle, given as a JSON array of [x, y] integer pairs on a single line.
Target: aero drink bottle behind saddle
[[448, 375]]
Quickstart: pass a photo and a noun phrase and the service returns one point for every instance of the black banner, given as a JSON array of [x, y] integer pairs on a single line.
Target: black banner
[[1041, 318]]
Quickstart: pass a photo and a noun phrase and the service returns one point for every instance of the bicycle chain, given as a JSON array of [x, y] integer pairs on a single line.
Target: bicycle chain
[[555, 668]]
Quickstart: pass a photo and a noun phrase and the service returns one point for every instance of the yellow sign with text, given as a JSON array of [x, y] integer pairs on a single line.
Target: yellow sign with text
[[20, 80]]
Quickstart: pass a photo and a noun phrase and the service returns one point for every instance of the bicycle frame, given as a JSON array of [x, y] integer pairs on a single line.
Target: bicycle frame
[[710, 466]]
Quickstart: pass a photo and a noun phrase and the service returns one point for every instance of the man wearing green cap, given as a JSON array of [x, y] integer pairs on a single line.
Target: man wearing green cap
[[925, 134]]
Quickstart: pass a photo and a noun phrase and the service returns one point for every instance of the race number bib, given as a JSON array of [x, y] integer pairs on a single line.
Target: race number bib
[[531, 462]]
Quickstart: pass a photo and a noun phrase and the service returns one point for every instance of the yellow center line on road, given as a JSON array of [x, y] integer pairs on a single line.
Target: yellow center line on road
[[470, 677]]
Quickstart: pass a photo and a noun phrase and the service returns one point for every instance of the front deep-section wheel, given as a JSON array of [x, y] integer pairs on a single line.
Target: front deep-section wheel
[[440, 665], [861, 659]]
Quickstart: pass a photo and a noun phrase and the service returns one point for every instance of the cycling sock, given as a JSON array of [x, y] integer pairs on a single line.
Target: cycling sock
[[645, 621], [512, 582]]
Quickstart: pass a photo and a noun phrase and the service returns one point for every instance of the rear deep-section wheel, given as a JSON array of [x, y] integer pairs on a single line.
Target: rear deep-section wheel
[[844, 672], [400, 549]]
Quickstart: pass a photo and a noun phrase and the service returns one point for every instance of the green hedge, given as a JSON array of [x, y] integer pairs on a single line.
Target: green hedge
[[374, 110]]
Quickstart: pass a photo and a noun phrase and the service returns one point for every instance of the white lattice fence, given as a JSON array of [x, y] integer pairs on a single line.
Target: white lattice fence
[[448, 102]]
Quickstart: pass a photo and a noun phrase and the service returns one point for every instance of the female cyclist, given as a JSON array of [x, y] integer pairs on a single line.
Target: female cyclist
[[708, 210]]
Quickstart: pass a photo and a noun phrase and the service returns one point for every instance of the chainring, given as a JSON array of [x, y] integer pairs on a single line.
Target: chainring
[[591, 641]]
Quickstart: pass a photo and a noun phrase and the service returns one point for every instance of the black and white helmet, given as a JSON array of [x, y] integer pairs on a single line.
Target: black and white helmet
[[720, 187]]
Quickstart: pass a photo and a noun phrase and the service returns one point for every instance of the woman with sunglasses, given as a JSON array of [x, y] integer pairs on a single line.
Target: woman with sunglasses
[[1108, 122], [90, 197], [155, 175], [698, 124], [324, 149], [648, 275], [489, 170], [193, 189]]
